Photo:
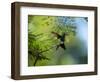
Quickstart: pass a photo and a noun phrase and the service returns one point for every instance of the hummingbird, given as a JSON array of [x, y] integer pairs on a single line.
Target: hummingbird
[[62, 40]]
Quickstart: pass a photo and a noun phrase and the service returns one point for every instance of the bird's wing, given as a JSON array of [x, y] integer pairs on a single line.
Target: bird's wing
[[56, 34]]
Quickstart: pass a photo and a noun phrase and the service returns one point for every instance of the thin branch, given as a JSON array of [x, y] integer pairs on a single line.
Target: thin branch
[[36, 60]]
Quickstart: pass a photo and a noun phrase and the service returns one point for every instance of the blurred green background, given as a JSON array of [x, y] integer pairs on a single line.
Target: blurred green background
[[42, 43]]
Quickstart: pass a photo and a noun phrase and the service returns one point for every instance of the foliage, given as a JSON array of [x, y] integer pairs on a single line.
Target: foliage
[[42, 43]]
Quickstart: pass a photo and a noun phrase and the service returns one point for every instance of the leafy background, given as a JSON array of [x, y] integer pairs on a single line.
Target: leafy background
[[42, 43]]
